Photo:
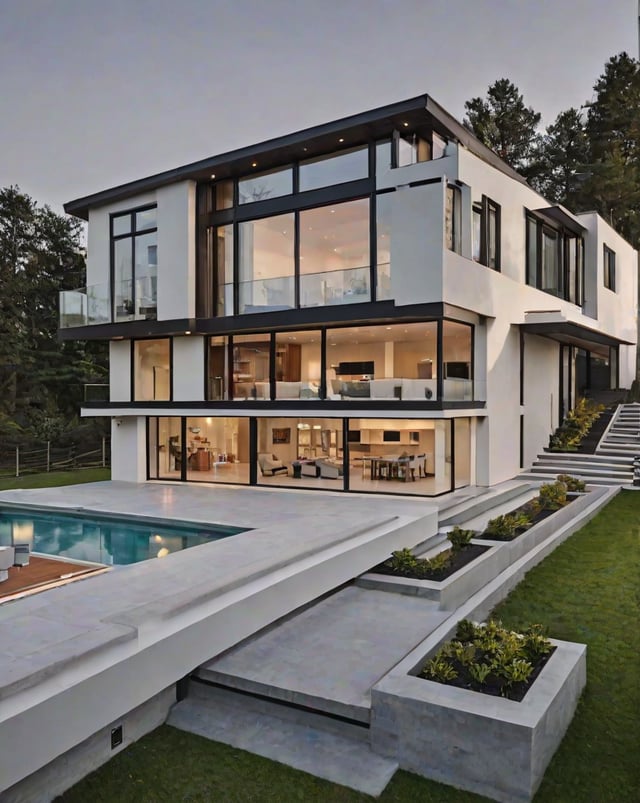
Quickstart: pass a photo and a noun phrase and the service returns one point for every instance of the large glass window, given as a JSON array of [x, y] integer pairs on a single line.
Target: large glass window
[[251, 367], [335, 254], [400, 456], [301, 452], [383, 234], [272, 184], [266, 264], [135, 264], [152, 370], [554, 260], [217, 450], [165, 448], [336, 168], [457, 361], [298, 365], [382, 362], [218, 369]]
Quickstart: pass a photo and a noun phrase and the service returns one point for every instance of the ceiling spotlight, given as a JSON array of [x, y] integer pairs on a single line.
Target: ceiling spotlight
[[406, 125], [341, 139], [213, 175], [254, 164]]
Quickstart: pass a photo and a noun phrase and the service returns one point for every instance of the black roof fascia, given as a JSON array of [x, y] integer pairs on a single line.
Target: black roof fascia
[[559, 215], [319, 139]]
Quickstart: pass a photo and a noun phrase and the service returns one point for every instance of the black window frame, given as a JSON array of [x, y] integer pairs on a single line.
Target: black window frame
[[454, 242], [536, 226], [487, 236], [609, 268], [132, 234]]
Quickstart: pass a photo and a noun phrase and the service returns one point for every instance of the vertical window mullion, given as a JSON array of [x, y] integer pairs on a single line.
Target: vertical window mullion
[[296, 260], [323, 363], [373, 248]]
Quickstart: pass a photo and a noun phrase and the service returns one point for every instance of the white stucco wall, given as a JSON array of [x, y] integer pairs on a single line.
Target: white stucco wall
[[129, 449], [120, 370], [417, 241], [177, 251], [541, 391], [188, 368]]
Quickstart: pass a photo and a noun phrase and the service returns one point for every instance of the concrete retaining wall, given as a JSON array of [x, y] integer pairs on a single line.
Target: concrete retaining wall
[[488, 745], [69, 768]]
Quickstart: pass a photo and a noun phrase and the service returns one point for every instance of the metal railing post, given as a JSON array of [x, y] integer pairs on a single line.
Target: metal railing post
[[17, 461], [48, 455], [104, 452]]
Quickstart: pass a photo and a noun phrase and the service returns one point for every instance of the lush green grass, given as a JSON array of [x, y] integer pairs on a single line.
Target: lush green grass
[[587, 590], [53, 478]]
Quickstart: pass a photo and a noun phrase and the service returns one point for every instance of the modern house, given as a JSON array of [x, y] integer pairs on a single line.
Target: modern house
[[376, 304]]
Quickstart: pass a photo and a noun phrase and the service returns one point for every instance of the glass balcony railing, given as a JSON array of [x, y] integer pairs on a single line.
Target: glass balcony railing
[[88, 306], [335, 287], [316, 289]]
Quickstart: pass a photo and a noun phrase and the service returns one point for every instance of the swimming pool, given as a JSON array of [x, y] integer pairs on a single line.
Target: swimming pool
[[111, 540]]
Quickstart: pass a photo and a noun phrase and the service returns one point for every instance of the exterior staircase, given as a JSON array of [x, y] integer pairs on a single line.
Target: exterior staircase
[[610, 464]]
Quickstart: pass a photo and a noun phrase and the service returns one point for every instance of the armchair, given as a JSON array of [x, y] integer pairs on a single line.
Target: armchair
[[270, 465]]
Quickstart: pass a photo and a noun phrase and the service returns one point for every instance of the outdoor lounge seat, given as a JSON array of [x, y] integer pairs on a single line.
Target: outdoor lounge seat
[[6, 561], [22, 554], [271, 465]]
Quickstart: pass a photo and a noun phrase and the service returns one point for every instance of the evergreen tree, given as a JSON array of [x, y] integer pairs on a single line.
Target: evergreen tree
[[505, 124], [562, 158], [41, 378], [613, 130]]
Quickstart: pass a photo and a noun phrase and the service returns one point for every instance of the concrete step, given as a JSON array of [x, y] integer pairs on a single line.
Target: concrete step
[[584, 465], [349, 762], [583, 472], [570, 457], [541, 477], [458, 514]]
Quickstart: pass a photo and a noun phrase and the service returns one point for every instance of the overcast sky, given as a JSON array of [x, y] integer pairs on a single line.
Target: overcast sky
[[94, 93]]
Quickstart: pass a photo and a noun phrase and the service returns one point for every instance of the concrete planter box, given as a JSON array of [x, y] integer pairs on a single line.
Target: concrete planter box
[[457, 588], [535, 535], [488, 745]]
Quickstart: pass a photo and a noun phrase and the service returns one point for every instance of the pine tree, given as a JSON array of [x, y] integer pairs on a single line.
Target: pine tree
[[505, 124], [562, 158], [613, 130]]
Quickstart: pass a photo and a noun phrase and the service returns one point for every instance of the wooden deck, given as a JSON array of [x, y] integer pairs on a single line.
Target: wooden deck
[[42, 573]]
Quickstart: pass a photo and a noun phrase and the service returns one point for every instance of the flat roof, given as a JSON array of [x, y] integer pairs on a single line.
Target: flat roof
[[354, 130]]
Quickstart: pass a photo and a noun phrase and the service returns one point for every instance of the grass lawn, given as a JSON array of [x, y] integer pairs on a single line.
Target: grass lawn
[[53, 478], [587, 590]]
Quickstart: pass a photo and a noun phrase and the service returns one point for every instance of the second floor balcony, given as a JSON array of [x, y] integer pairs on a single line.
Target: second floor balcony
[[91, 305]]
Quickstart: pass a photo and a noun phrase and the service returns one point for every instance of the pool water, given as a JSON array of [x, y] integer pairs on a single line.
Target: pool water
[[113, 541]]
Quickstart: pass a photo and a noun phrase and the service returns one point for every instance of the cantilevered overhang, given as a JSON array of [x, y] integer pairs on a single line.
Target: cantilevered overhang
[[409, 115], [556, 326], [557, 214]]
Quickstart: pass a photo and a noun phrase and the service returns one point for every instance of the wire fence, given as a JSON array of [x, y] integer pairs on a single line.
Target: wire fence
[[16, 461]]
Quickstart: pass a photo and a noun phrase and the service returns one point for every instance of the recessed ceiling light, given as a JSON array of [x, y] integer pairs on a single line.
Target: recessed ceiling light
[[341, 139], [406, 125], [213, 175], [254, 164], [187, 332]]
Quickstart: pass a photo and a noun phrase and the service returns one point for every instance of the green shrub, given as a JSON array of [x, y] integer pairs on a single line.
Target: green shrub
[[489, 658], [553, 495], [573, 483], [460, 538], [575, 426], [506, 526], [403, 560]]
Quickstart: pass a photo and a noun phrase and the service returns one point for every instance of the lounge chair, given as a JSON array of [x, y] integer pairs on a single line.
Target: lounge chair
[[271, 465]]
